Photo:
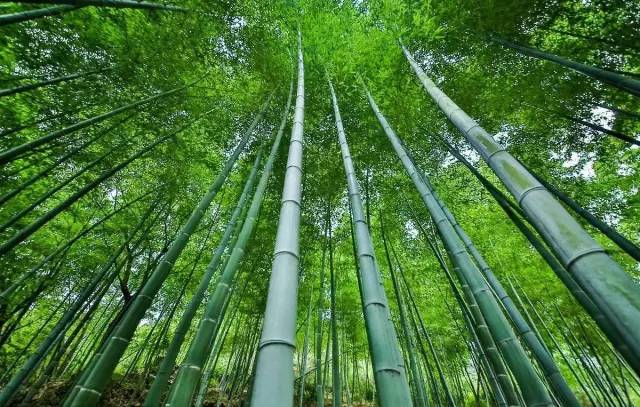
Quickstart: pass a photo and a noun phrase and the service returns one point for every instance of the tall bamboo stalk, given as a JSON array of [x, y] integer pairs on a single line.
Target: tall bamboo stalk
[[190, 371], [105, 362], [14, 153], [335, 349], [389, 372], [418, 380], [273, 382], [612, 78], [532, 388], [21, 16], [305, 351], [604, 281], [145, 5], [165, 369], [518, 217], [536, 346]]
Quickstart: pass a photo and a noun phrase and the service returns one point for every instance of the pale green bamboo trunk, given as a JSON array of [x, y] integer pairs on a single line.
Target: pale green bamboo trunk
[[190, 372], [531, 387], [389, 372], [89, 391], [612, 290], [273, 383]]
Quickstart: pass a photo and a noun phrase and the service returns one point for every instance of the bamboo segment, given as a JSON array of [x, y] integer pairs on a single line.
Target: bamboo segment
[[165, 369], [532, 388], [190, 371], [605, 282], [390, 377], [273, 383], [99, 374]]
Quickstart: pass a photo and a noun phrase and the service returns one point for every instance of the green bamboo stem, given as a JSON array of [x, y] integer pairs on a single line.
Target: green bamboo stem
[[319, 388], [52, 81], [532, 388], [14, 153], [389, 372], [625, 244], [305, 350], [159, 385], [99, 375], [418, 381], [273, 382], [336, 397], [425, 333], [536, 346], [514, 213], [602, 279], [136, 4], [615, 79], [21, 16], [190, 372]]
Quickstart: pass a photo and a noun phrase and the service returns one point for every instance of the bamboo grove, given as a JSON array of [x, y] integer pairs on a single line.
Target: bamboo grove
[[315, 202]]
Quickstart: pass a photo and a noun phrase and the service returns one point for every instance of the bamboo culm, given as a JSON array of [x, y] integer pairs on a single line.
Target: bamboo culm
[[165, 369], [612, 78], [418, 381], [605, 282], [99, 372], [190, 371], [144, 5], [52, 81], [514, 213], [389, 372], [537, 347], [532, 388], [14, 153], [625, 244], [6, 19], [273, 381]]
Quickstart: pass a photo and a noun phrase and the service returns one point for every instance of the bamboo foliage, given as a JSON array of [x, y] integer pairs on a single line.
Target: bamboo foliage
[[159, 384], [604, 281], [273, 382], [189, 374], [142, 166], [389, 373], [54, 336], [14, 153], [34, 226], [532, 389], [99, 373], [612, 78]]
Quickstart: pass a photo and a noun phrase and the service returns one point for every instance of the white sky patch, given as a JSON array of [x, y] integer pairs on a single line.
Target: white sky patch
[[410, 229], [586, 171], [625, 170], [602, 117], [112, 194], [238, 23]]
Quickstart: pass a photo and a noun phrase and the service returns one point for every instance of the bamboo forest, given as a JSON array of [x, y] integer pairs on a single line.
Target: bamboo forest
[[320, 203]]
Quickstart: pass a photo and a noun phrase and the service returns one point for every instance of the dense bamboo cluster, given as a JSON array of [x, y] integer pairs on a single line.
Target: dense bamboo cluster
[[156, 239]]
